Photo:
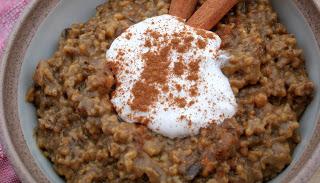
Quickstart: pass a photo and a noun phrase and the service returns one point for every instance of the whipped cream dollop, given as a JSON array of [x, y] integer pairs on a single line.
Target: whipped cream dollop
[[169, 78]]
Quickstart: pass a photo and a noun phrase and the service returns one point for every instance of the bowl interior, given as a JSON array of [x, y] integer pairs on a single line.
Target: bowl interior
[[45, 42]]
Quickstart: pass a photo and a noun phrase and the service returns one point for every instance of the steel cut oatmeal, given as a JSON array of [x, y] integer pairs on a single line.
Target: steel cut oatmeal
[[80, 132]]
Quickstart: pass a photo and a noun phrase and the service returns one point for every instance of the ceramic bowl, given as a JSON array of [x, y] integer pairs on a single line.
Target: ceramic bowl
[[36, 38]]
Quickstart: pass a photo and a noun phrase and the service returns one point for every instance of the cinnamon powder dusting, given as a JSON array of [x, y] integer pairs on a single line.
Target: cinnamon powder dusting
[[181, 102], [128, 36], [204, 34], [193, 70], [144, 96], [182, 42], [153, 34], [154, 74], [193, 91], [165, 89], [178, 87], [178, 68], [201, 44], [148, 43], [156, 70]]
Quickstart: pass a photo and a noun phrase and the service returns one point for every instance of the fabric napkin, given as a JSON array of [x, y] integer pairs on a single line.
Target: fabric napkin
[[10, 10]]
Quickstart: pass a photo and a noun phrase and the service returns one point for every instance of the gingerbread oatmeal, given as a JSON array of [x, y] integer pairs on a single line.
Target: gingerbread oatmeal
[[81, 134]]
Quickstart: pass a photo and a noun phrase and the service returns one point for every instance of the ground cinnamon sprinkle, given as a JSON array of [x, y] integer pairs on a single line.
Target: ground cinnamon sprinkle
[[204, 34], [155, 73], [178, 87], [201, 44], [188, 40], [178, 68], [175, 43], [189, 123], [182, 117], [148, 43], [181, 43], [191, 103], [156, 70], [170, 96], [181, 102], [193, 91], [193, 70], [155, 35], [144, 96], [113, 66], [156, 66], [165, 88], [128, 36]]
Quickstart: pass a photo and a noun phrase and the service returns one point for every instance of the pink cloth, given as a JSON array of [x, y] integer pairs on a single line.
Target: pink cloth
[[10, 10]]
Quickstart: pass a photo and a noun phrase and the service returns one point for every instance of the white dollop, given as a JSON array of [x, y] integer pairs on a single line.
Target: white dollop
[[215, 100]]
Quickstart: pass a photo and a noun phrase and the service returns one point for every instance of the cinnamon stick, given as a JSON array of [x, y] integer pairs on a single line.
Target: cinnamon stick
[[210, 13], [182, 8]]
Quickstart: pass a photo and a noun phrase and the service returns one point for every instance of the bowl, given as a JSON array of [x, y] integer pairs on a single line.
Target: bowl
[[36, 37]]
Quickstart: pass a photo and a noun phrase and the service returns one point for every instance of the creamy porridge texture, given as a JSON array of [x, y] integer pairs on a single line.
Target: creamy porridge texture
[[80, 132]]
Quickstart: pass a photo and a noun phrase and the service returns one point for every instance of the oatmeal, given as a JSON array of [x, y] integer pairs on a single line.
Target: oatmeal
[[80, 132]]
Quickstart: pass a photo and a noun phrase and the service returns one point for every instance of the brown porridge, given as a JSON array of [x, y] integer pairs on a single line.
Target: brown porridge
[[79, 131]]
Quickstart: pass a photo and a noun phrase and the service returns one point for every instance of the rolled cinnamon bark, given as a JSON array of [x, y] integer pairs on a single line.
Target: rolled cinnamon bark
[[210, 13], [182, 8]]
